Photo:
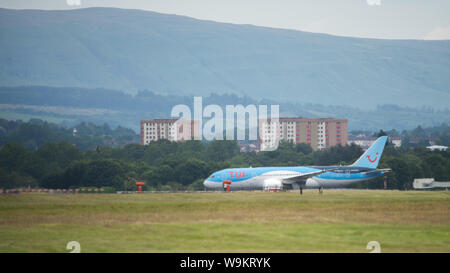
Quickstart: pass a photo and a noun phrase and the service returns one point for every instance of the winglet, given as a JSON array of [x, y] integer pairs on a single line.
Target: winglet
[[372, 156]]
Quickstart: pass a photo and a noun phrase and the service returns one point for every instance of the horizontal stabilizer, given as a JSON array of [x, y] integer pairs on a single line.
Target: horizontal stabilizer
[[378, 171]]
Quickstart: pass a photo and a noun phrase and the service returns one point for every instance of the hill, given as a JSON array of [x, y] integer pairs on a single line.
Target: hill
[[71, 106], [134, 50]]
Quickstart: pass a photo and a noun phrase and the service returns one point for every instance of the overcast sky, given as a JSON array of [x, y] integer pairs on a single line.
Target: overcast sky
[[390, 19]]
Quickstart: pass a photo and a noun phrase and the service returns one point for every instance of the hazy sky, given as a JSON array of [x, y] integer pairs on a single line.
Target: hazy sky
[[391, 19]]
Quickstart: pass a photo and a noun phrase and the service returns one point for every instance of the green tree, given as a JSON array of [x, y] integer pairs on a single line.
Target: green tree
[[12, 155], [62, 153], [54, 181], [191, 170]]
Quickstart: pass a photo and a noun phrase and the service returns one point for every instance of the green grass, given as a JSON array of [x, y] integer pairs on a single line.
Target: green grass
[[337, 221]]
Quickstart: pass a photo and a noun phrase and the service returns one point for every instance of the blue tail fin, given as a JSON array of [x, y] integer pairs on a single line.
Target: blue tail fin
[[372, 156]]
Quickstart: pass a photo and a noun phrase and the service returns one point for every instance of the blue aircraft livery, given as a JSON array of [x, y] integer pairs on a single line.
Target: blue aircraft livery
[[363, 169]]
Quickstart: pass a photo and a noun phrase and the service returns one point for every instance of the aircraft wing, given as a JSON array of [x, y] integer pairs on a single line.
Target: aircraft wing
[[377, 171], [301, 178]]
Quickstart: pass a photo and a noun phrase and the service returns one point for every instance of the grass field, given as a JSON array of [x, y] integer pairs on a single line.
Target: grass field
[[337, 221]]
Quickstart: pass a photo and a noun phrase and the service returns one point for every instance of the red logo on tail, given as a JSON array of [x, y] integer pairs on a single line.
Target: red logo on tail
[[372, 160]]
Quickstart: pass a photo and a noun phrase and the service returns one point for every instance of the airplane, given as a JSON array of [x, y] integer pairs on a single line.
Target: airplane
[[301, 177]]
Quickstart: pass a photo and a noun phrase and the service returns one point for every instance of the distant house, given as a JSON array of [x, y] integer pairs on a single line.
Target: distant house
[[361, 140], [249, 147], [366, 141], [430, 140], [437, 148], [397, 141]]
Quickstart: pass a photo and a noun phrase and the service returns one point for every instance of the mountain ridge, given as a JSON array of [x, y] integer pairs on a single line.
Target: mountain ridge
[[135, 50]]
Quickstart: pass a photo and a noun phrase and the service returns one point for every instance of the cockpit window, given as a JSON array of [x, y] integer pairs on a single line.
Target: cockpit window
[[212, 176]]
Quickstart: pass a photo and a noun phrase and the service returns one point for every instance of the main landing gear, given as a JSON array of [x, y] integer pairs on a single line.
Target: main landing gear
[[320, 190]]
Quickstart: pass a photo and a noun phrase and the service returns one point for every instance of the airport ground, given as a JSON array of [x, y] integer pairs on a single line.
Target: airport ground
[[336, 221]]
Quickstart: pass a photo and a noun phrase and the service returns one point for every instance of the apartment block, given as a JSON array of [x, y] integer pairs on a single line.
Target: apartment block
[[170, 129], [320, 133]]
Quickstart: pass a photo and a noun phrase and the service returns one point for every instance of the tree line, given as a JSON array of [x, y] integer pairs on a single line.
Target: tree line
[[166, 165], [35, 133]]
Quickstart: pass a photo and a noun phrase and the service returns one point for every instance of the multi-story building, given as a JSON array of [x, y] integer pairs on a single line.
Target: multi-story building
[[170, 129], [320, 133]]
